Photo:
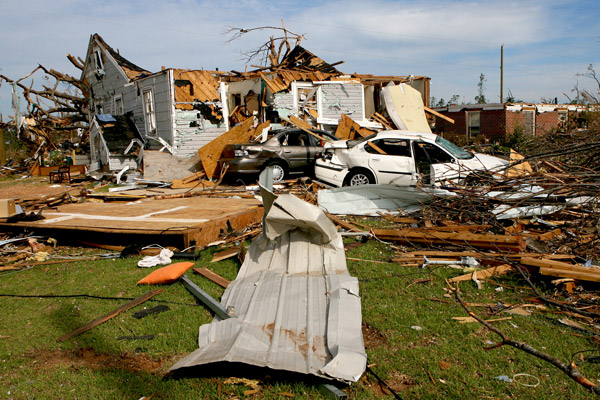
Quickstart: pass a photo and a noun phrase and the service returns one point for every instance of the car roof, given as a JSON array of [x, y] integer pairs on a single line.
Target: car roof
[[405, 134], [277, 132]]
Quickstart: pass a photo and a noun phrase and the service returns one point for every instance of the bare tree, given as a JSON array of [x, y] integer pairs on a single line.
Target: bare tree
[[591, 96], [271, 51]]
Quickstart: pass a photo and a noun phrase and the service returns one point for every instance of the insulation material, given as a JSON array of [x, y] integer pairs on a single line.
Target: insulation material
[[295, 306], [404, 105]]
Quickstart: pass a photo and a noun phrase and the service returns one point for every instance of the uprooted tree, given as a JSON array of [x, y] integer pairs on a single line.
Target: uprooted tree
[[55, 108]]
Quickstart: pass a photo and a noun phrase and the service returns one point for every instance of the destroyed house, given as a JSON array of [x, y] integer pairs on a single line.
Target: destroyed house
[[185, 109], [496, 121], [173, 106]]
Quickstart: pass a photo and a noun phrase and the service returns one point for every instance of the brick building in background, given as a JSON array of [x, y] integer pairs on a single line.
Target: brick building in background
[[496, 121]]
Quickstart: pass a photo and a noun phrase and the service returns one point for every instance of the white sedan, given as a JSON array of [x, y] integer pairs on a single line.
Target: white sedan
[[401, 158]]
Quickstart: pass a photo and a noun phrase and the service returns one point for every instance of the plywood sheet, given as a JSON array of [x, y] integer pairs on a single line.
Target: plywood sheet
[[147, 214]]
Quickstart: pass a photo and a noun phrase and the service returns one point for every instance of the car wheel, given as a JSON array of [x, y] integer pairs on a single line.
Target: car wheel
[[360, 177], [279, 171]]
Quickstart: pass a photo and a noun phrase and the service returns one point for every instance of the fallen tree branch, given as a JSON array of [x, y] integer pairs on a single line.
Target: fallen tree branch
[[569, 369]]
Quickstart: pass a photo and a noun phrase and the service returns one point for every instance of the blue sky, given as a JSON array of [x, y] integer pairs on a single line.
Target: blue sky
[[546, 43]]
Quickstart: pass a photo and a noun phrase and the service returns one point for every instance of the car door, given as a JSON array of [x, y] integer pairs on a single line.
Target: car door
[[391, 160], [431, 158], [296, 149]]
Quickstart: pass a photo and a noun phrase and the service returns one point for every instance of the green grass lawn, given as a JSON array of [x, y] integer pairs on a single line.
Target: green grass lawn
[[411, 340]]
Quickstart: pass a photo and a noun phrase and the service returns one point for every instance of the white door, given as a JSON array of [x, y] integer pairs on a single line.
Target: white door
[[396, 166]]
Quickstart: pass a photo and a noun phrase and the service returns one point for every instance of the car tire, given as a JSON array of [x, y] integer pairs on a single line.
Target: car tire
[[359, 177], [279, 171]]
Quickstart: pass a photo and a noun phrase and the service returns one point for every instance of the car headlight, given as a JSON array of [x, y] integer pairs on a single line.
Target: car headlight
[[240, 153]]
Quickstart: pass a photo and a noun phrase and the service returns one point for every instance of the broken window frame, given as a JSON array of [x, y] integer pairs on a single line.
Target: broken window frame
[[98, 59], [149, 112], [297, 87]]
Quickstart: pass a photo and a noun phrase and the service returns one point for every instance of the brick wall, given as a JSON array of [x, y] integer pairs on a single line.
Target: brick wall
[[546, 122], [513, 120], [493, 124], [458, 128]]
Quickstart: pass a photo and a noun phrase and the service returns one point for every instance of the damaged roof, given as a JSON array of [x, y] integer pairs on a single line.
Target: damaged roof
[[195, 85], [131, 70], [303, 60]]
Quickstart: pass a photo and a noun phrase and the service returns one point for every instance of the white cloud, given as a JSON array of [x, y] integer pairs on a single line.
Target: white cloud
[[546, 42]]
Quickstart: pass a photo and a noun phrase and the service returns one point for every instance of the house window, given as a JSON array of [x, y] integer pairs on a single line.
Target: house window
[[149, 115], [98, 58], [473, 123], [118, 109]]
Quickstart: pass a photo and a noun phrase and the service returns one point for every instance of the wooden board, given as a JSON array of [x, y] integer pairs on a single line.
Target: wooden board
[[483, 274], [211, 152], [207, 273], [563, 269], [225, 254], [487, 241], [110, 315]]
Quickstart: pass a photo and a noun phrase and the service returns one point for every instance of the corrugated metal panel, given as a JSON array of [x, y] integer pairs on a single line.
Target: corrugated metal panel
[[295, 306]]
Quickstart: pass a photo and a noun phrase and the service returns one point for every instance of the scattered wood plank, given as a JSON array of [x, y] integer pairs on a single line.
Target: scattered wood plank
[[483, 274], [377, 148], [486, 241], [300, 123], [33, 264], [194, 177], [437, 114], [347, 129], [344, 224], [211, 152], [382, 120], [207, 273], [110, 315], [297, 122], [515, 256], [225, 254], [467, 320], [563, 270]]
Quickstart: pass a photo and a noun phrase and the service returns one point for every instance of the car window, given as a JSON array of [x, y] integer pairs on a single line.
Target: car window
[[392, 147], [294, 138], [434, 153]]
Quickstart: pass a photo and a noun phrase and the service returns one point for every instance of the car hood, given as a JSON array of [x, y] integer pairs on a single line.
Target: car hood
[[485, 161]]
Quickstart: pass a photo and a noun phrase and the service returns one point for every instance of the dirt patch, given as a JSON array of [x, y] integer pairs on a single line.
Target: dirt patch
[[30, 188], [88, 358], [373, 337], [397, 381]]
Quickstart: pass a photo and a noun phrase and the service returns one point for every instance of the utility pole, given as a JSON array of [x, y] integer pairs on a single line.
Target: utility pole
[[501, 73]]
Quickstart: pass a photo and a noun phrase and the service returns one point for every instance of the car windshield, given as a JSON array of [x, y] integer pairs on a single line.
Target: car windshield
[[453, 149]]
